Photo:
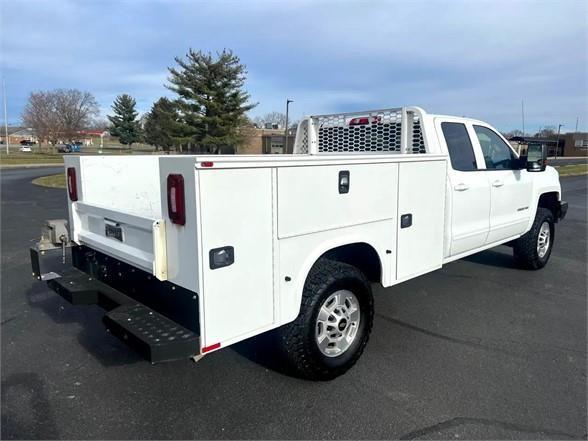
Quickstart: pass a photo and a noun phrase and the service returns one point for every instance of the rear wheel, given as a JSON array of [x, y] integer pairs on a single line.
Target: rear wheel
[[331, 331], [533, 249]]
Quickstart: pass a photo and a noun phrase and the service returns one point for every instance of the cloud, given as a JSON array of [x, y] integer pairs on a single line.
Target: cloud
[[459, 57]]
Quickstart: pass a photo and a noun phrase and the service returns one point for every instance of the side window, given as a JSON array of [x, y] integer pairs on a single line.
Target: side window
[[497, 154], [460, 147]]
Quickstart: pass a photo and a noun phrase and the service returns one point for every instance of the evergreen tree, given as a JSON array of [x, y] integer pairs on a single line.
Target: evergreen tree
[[212, 102], [162, 124], [124, 122]]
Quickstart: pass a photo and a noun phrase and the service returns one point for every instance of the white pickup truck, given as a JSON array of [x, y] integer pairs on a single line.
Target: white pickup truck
[[190, 254]]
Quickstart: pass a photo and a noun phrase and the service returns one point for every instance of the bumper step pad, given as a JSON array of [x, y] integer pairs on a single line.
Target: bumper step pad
[[154, 336], [151, 334], [75, 287]]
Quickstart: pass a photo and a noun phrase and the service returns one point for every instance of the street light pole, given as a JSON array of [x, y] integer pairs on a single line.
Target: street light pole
[[288, 101], [557, 143], [5, 115]]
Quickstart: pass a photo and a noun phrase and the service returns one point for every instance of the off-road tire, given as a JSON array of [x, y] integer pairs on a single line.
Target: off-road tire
[[298, 338], [525, 247]]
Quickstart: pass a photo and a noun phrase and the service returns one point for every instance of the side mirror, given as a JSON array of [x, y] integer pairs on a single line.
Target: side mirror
[[536, 158]]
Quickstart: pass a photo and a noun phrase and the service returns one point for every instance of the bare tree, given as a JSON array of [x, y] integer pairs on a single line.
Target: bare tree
[[546, 132], [513, 133], [278, 118], [59, 114]]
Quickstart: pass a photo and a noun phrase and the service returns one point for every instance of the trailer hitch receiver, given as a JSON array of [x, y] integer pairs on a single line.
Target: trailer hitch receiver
[[49, 255]]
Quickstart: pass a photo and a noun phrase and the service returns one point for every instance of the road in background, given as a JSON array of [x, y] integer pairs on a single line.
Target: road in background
[[478, 349], [567, 161]]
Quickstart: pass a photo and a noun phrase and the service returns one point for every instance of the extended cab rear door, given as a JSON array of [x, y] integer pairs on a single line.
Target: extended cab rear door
[[468, 191]]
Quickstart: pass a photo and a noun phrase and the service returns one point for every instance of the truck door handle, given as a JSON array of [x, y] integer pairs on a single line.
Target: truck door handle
[[461, 187], [497, 183]]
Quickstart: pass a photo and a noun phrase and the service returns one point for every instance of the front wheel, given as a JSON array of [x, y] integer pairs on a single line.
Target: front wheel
[[336, 315], [532, 250]]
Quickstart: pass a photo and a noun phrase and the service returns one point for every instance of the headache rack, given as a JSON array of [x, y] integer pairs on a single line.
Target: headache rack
[[396, 130]]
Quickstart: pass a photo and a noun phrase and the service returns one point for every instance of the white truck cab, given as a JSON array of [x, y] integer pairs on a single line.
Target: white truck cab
[[192, 253], [492, 197]]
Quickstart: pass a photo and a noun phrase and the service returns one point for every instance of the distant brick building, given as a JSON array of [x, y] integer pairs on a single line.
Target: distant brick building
[[575, 144], [569, 144], [18, 134], [266, 141]]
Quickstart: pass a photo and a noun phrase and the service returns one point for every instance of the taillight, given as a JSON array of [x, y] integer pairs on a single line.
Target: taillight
[[72, 184], [176, 206]]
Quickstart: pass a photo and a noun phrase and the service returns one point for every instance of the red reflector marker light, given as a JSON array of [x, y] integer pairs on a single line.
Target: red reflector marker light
[[176, 206], [72, 184], [207, 164], [362, 120], [210, 348]]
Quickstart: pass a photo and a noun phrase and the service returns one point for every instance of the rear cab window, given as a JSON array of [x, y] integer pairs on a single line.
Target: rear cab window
[[461, 151]]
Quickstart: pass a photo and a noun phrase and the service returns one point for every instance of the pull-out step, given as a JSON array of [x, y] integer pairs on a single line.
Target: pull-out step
[[154, 336]]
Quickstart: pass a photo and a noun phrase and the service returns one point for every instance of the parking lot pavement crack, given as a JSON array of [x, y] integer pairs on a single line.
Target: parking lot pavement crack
[[8, 320], [455, 340], [460, 421]]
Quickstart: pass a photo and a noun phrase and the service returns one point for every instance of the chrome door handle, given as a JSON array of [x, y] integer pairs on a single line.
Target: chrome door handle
[[461, 187], [497, 183]]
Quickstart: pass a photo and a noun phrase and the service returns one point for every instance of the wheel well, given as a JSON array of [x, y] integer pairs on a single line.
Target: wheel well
[[549, 201], [360, 255]]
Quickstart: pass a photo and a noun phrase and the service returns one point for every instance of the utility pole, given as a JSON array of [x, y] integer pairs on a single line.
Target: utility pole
[[523, 115], [557, 143], [5, 115], [288, 101], [577, 119]]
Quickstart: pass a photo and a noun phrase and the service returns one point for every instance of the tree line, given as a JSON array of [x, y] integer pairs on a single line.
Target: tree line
[[207, 113]]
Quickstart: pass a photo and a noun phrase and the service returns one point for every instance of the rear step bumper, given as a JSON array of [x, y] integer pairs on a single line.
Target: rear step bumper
[[151, 334]]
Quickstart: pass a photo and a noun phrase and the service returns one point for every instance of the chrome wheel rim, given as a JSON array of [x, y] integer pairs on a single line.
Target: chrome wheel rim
[[543, 240], [337, 323]]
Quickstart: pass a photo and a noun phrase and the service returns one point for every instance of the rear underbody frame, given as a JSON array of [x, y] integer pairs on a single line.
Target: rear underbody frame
[[158, 319]]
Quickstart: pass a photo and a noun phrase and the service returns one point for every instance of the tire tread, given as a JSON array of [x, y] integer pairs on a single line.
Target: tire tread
[[525, 247], [294, 335]]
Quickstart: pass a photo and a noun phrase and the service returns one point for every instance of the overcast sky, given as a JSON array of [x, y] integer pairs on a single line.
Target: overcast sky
[[472, 58]]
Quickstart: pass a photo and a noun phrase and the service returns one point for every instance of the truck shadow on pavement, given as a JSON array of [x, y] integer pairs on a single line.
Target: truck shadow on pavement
[[263, 350], [499, 259], [109, 351], [93, 337]]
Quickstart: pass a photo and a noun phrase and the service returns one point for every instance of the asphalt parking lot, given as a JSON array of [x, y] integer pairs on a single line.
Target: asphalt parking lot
[[479, 349]]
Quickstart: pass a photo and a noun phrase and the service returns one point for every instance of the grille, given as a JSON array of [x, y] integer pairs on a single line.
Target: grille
[[418, 143], [382, 134], [301, 146], [366, 132], [304, 141]]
